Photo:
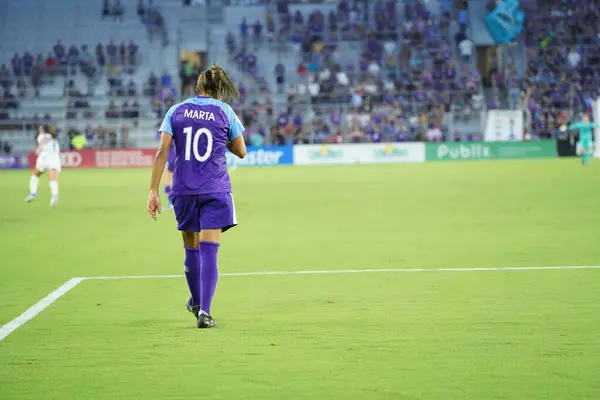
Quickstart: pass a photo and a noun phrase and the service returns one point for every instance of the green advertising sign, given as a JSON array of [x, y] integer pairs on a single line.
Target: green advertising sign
[[457, 151]]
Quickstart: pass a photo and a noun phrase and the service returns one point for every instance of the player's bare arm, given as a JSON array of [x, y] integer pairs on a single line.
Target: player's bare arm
[[40, 146], [158, 166], [237, 146]]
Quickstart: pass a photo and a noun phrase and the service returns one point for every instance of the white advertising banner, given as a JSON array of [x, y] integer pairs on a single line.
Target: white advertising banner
[[371, 153], [504, 126]]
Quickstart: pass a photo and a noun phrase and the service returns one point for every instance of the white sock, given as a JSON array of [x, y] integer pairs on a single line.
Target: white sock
[[34, 182], [53, 188]]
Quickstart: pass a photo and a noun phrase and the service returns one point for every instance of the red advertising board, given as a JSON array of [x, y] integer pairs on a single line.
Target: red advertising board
[[103, 158]]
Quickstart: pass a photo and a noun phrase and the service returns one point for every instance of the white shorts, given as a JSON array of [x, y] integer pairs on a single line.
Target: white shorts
[[44, 164]]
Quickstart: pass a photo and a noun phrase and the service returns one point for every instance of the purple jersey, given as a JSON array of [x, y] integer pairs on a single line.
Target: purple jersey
[[171, 158], [200, 127]]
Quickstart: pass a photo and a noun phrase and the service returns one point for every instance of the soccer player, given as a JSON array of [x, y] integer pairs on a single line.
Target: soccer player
[[48, 159], [201, 127], [585, 146]]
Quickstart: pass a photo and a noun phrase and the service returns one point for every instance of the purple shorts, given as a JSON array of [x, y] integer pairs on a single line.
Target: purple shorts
[[196, 212]]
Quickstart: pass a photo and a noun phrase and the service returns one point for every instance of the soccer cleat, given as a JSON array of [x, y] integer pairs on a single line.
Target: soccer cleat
[[205, 321], [30, 198], [53, 201], [193, 309]]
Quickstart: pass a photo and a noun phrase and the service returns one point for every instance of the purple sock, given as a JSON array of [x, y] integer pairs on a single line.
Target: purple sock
[[192, 273], [209, 274], [168, 192]]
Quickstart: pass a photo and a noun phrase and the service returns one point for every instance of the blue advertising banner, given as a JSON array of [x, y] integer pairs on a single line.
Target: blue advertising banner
[[263, 156], [13, 162], [505, 22]]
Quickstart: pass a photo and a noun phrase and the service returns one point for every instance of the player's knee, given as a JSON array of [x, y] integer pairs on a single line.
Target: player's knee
[[190, 239], [211, 235]]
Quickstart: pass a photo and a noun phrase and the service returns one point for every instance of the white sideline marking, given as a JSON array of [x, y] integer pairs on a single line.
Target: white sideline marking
[[71, 283], [38, 307], [351, 271]]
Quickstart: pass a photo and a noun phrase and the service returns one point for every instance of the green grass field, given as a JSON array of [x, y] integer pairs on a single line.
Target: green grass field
[[390, 335]]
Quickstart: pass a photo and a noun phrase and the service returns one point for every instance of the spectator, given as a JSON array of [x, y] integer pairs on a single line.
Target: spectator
[[5, 79], [111, 111], [141, 9], [188, 79], [574, 58], [125, 110], [6, 147], [123, 53], [342, 78], [112, 76], [111, 52], [270, 28], [280, 77], [166, 80], [459, 37], [73, 58], [50, 64], [157, 105], [333, 23], [374, 69], [118, 11], [100, 136], [257, 28], [100, 57], [433, 134], [132, 90], [466, 50], [256, 139], [301, 70], [244, 31], [462, 14], [112, 140], [86, 61], [314, 88], [10, 101], [59, 50], [152, 84], [477, 101], [71, 110], [230, 43], [105, 9], [133, 49], [135, 109], [17, 65], [27, 63]]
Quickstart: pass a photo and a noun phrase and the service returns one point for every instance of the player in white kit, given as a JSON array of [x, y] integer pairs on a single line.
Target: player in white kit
[[48, 159]]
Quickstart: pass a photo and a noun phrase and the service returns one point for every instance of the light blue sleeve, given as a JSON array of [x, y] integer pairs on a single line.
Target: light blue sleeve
[[166, 124], [235, 126]]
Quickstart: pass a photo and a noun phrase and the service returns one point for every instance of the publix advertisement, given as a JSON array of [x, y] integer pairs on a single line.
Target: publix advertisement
[[359, 153], [489, 150]]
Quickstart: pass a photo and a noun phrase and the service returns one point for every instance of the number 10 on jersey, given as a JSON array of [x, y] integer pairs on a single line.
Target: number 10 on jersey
[[191, 144]]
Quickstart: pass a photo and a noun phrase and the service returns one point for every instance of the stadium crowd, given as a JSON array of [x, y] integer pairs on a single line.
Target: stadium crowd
[[408, 77], [562, 57]]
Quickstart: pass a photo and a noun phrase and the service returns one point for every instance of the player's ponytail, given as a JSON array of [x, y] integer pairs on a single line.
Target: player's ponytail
[[216, 83], [49, 129]]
